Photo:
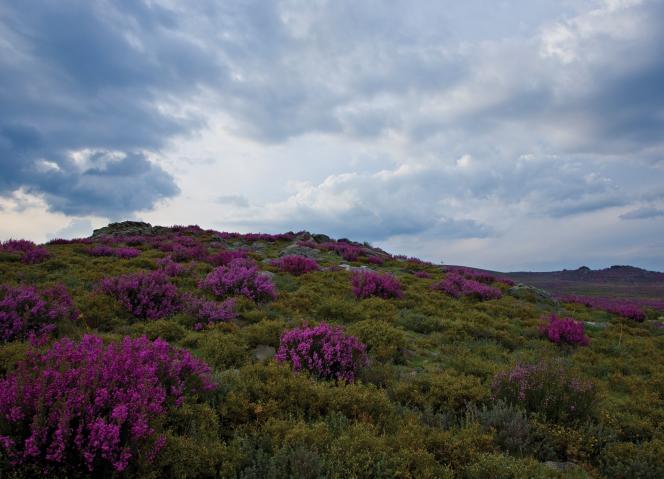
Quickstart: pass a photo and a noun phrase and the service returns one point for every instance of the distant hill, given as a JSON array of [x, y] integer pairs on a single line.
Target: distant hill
[[617, 281]]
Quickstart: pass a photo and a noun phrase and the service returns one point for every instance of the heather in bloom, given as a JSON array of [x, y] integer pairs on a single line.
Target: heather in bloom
[[146, 295], [546, 388], [30, 253], [370, 283], [324, 351], [222, 258], [25, 310], [240, 277], [456, 285], [296, 265], [564, 330], [170, 267], [86, 406], [349, 252], [210, 312], [622, 307]]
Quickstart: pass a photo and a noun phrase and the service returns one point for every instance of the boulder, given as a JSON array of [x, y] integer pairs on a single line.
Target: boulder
[[300, 251], [532, 294]]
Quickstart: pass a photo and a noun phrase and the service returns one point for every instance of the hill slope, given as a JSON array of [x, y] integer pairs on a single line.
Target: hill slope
[[296, 355]]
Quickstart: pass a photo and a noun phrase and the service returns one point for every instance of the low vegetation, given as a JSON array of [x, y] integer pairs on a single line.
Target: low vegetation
[[181, 352]]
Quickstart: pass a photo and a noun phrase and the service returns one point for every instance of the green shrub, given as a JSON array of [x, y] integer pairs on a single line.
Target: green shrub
[[419, 323], [492, 466], [634, 461], [337, 310], [223, 351], [384, 341], [161, 328], [265, 332]]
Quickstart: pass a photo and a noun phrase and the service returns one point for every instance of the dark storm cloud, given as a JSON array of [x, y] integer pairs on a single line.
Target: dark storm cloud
[[95, 76]]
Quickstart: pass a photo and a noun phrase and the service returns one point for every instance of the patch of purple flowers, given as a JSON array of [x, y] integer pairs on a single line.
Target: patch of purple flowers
[[222, 258], [210, 312], [103, 250], [25, 310], [240, 277], [622, 307], [324, 351], [89, 406], [370, 283], [456, 285], [564, 330], [170, 267], [147, 295], [30, 253], [296, 265]]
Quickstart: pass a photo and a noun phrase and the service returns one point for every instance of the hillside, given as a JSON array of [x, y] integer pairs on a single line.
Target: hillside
[[148, 351], [617, 281]]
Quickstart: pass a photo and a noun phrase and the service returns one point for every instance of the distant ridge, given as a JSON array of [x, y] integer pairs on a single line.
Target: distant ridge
[[617, 280]]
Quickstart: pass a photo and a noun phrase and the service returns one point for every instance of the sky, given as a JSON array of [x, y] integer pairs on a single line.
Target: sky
[[508, 135]]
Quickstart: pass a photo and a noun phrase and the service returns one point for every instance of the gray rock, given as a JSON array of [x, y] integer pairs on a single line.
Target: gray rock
[[300, 251], [531, 293], [125, 228], [319, 238], [595, 324], [263, 352]]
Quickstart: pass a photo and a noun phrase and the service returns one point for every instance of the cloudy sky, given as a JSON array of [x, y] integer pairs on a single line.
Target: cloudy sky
[[510, 135]]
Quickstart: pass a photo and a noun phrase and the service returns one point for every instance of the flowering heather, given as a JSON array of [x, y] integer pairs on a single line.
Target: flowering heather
[[222, 258], [324, 351], [295, 264], [547, 388], [95, 407], [622, 307], [146, 295], [30, 253], [257, 236], [564, 330], [210, 312], [241, 276], [347, 251], [170, 267], [25, 310], [480, 276], [103, 250], [456, 286], [370, 283], [375, 260]]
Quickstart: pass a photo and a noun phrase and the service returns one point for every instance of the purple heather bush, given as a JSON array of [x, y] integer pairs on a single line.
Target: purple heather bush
[[103, 250], [90, 406], [375, 260], [347, 251], [222, 258], [457, 286], [257, 236], [548, 388], [147, 295], [324, 351], [564, 330], [170, 267], [240, 277], [370, 283], [626, 308], [29, 252], [25, 310], [296, 265], [210, 312]]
